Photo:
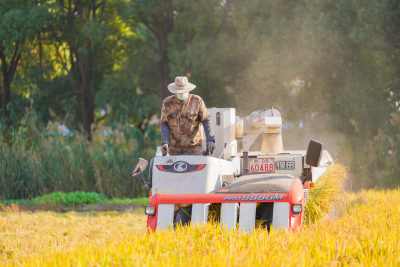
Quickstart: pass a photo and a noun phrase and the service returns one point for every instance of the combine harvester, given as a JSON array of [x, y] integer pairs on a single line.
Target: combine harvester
[[249, 166]]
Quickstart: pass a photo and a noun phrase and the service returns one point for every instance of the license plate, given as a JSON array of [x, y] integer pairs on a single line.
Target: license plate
[[261, 165]]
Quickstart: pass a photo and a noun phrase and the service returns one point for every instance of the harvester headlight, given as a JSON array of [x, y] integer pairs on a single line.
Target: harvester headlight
[[297, 208], [150, 210]]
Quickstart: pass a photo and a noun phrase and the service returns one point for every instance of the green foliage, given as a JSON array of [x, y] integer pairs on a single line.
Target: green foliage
[[74, 198], [69, 199], [21, 20], [380, 164], [335, 61], [38, 160], [140, 200]]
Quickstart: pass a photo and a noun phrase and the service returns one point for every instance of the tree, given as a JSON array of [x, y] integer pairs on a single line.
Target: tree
[[20, 22], [86, 42], [158, 18]]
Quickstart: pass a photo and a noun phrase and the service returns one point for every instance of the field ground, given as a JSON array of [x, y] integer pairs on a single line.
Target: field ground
[[365, 230]]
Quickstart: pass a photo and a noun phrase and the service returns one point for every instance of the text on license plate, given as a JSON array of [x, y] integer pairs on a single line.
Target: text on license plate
[[261, 165]]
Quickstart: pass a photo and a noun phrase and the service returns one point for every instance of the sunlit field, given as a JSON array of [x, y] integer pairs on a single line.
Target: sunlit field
[[363, 230]]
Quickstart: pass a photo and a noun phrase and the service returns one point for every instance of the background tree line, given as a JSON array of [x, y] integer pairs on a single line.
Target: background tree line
[[330, 66]]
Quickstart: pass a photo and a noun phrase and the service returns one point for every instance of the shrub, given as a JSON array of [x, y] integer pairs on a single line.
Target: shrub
[[68, 199]]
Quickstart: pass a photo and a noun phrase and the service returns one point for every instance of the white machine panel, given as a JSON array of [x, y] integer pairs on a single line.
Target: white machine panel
[[223, 128], [165, 216], [229, 213], [201, 181], [326, 161], [284, 163], [199, 214], [247, 216], [280, 219]]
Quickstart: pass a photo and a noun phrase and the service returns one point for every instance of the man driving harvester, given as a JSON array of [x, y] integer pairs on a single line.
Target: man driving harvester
[[181, 116]]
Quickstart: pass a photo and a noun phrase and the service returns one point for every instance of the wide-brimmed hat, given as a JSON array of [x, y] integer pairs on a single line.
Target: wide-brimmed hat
[[181, 85]]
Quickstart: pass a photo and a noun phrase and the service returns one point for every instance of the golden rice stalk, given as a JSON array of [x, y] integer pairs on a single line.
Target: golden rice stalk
[[214, 212], [366, 236], [326, 192]]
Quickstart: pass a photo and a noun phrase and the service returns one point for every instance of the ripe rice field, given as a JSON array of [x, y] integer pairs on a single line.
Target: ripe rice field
[[364, 229]]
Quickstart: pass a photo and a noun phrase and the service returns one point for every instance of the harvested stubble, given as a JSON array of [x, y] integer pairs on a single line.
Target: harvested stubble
[[366, 234]]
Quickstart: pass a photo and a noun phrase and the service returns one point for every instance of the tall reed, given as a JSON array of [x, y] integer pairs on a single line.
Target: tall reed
[[37, 160]]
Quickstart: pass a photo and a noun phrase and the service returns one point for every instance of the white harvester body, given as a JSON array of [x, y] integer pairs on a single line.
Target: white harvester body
[[236, 176]]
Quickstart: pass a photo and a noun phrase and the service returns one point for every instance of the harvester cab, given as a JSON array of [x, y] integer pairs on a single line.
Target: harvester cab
[[249, 175]]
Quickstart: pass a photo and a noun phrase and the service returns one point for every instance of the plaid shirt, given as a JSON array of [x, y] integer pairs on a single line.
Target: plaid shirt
[[183, 119]]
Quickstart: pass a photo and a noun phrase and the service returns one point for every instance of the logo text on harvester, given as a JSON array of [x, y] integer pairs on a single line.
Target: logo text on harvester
[[254, 197]]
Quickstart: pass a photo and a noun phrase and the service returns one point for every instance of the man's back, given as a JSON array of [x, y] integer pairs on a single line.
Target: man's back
[[183, 119]]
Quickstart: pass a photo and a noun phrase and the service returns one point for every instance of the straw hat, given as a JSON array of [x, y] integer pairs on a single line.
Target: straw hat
[[181, 85]]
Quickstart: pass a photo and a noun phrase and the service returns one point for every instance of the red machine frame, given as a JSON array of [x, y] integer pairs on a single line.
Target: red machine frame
[[294, 196]]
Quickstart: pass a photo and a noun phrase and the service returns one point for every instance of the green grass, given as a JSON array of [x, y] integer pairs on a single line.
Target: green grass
[[74, 198], [140, 200]]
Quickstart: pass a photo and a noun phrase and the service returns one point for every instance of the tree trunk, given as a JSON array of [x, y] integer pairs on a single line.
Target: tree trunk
[[87, 109], [40, 59], [8, 71], [86, 95], [86, 101], [165, 29], [165, 77], [6, 95]]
